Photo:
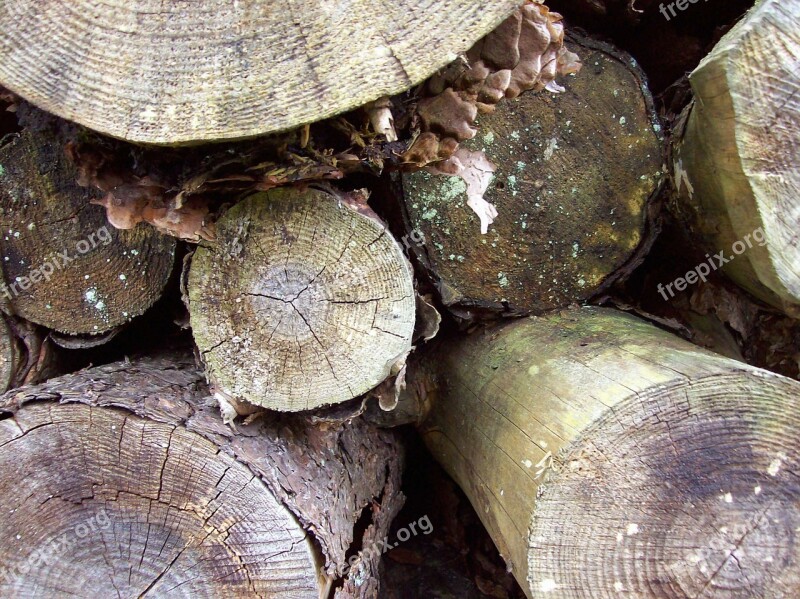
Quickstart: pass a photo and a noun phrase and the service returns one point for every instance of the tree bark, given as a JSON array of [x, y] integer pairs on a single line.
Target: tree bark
[[574, 173], [64, 267], [123, 479], [302, 302], [737, 161], [607, 456]]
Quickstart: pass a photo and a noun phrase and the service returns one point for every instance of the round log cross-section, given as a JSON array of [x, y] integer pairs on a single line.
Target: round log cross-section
[[303, 302], [574, 173], [737, 164], [169, 72], [64, 266], [123, 480], [608, 458], [81, 478]]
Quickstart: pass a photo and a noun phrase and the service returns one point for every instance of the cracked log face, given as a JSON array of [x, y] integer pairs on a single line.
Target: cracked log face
[[138, 508], [64, 266], [737, 165], [622, 459], [156, 72], [124, 479], [574, 173], [301, 303]]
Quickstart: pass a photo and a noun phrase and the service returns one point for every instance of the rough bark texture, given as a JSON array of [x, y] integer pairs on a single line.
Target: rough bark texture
[[193, 508], [608, 457], [737, 164], [158, 72], [302, 302], [574, 172], [64, 267]]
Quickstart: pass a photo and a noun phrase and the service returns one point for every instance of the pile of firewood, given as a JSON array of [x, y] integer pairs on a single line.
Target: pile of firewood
[[243, 246]]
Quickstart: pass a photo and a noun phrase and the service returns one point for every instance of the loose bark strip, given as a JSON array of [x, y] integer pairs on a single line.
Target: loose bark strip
[[608, 457], [64, 267], [574, 172], [303, 302], [737, 164], [124, 479]]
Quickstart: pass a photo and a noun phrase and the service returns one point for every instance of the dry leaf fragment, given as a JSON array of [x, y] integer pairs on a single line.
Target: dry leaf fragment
[[477, 172]]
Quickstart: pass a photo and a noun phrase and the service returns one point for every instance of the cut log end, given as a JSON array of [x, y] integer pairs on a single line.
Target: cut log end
[[685, 492], [64, 266], [574, 172], [102, 504], [621, 459], [737, 164], [303, 302]]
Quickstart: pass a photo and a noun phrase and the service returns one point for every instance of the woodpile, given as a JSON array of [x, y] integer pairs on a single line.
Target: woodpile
[[360, 238]]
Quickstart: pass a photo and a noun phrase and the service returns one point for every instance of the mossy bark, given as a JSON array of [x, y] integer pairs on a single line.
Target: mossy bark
[[606, 455], [64, 266], [123, 479], [303, 301], [574, 173], [736, 162]]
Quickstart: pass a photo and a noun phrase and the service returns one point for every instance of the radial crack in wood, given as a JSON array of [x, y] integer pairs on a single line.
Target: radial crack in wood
[[124, 480], [64, 267], [302, 302], [608, 457]]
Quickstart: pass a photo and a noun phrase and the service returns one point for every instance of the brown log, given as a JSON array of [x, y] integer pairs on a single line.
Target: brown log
[[64, 266], [574, 174], [609, 458], [123, 479]]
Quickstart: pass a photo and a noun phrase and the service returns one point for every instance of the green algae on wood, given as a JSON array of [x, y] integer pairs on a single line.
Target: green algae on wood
[[574, 175], [603, 453], [64, 266]]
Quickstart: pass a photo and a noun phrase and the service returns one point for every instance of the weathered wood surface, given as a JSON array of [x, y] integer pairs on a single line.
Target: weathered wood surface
[[159, 72], [302, 302], [737, 163], [63, 265], [608, 457], [123, 479], [574, 173]]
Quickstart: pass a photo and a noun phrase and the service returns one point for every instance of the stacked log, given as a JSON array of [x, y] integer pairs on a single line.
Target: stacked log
[[570, 177], [735, 162], [304, 301], [124, 479], [603, 453], [64, 266]]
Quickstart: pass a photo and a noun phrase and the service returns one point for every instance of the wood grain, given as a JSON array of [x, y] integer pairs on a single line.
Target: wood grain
[[174, 72], [739, 157], [609, 458], [303, 301]]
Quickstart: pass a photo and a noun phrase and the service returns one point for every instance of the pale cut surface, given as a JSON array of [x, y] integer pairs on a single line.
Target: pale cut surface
[[741, 150], [303, 302], [171, 72], [98, 502], [608, 458]]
